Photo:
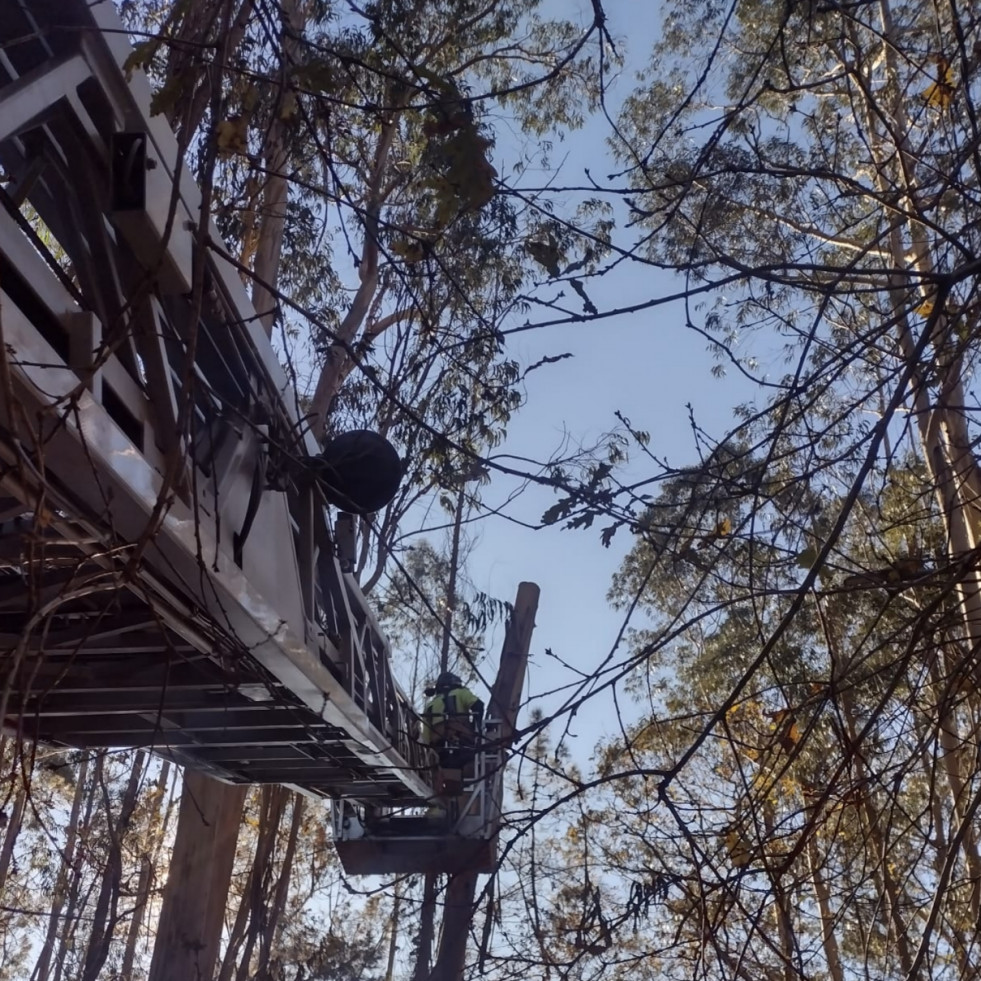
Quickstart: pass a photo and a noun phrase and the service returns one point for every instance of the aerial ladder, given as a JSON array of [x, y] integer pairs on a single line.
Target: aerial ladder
[[169, 577]]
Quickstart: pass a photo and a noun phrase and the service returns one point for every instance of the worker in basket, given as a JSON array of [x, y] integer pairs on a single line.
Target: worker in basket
[[450, 726]]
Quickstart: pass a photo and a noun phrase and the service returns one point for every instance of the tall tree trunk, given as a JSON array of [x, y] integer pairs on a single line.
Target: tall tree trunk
[[252, 907], [168, 780], [888, 888], [236, 935], [781, 904], [941, 424], [275, 194], [427, 928], [932, 767], [147, 892], [10, 834], [60, 891], [393, 933], [955, 749], [189, 933], [70, 942], [104, 918], [73, 906], [136, 920], [458, 908], [148, 866], [829, 941], [277, 907]]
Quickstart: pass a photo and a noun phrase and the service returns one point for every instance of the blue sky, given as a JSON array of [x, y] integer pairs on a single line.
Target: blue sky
[[648, 366]]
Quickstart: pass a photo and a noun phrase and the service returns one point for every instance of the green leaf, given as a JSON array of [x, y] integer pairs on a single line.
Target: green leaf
[[140, 57], [808, 557], [166, 98], [555, 513]]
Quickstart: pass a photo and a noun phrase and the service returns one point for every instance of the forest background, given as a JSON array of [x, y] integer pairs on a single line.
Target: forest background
[[455, 214]]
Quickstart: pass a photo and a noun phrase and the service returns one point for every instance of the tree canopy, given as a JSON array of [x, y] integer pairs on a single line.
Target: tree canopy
[[785, 781]]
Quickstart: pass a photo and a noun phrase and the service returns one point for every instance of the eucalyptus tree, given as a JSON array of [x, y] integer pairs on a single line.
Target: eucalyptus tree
[[375, 122], [352, 154], [82, 855], [820, 162], [794, 784], [803, 765], [325, 137]]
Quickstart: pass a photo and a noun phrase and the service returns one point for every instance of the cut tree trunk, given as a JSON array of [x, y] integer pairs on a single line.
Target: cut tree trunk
[[504, 703], [136, 919]]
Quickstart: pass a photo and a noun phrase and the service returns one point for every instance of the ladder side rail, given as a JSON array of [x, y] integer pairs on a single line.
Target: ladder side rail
[[130, 103], [367, 662], [152, 331], [106, 51], [29, 99], [491, 783], [373, 660], [400, 716], [84, 232], [78, 332], [227, 279]]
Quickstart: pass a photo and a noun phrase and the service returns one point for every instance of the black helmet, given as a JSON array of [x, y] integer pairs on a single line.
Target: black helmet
[[448, 680]]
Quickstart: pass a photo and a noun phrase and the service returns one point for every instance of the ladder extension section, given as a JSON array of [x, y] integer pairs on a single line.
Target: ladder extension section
[[167, 575]]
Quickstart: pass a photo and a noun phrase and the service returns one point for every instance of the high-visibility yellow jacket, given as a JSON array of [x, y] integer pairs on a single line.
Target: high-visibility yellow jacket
[[458, 704]]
